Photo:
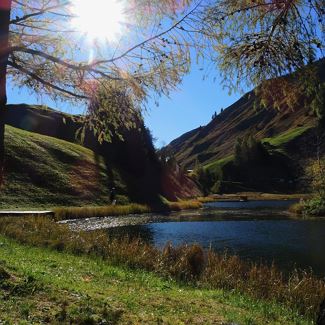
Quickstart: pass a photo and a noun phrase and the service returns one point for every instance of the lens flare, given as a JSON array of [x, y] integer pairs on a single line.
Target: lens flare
[[99, 20]]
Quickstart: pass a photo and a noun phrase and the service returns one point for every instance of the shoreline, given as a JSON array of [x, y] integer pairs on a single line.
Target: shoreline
[[167, 208], [82, 283]]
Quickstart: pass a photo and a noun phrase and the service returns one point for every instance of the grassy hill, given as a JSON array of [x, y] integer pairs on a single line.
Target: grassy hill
[[216, 140], [288, 135], [46, 166], [45, 171]]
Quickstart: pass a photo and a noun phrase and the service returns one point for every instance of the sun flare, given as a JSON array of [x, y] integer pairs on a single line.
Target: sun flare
[[99, 20]]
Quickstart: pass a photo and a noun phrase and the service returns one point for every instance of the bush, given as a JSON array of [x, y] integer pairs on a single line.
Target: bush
[[315, 206], [184, 263], [122, 200], [297, 208]]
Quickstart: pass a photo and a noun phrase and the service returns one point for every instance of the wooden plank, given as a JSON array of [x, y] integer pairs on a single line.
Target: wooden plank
[[24, 213]]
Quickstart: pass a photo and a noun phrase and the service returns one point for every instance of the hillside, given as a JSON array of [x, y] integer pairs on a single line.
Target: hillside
[[216, 140], [47, 166], [42, 170]]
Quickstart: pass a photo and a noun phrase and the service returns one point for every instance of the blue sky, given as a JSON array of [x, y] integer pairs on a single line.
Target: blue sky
[[190, 106]]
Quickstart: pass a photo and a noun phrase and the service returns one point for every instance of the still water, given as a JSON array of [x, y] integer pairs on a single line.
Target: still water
[[259, 231]]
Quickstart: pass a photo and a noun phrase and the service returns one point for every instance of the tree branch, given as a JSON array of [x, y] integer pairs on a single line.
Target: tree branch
[[35, 14], [44, 82]]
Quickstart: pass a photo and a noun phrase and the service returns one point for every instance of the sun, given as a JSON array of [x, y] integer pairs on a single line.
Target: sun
[[99, 20]]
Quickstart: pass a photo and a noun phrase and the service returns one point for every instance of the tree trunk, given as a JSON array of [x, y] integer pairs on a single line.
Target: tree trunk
[[5, 9]]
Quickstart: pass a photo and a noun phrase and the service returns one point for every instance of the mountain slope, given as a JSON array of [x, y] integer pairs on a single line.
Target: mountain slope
[[44, 171], [47, 166], [216, 140]]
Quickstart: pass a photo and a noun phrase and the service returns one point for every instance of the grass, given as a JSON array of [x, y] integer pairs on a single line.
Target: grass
[[91, 212], [45, 286], [277, 141], [300, 293], [42, 171], [257, 196], [47, 173], [122, 210], [184, 205], [216, 165], [286, 137]]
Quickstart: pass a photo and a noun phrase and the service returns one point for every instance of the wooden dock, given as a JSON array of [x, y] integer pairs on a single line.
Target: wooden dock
[[13, 213]]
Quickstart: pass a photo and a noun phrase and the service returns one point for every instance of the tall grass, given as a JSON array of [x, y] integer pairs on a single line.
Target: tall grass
[[300, 291], [121, 210], [90, 212], [183, 205]]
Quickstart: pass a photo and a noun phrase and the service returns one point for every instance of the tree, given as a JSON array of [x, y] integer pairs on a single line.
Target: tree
[[39, 49], [249, 150], [260, 40], [239, 156], [249, 40], [204, 177]]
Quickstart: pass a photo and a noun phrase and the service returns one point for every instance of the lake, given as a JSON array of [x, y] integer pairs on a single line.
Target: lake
[[255, 230]]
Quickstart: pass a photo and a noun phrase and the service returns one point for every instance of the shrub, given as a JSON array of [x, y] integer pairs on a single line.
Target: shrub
[[297, 208], [184, 263], [122, 200], [315, 206]]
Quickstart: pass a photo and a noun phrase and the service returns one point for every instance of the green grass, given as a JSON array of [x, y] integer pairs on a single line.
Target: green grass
[[286, 137], [42, 171], [278, 141], [299, 292], [218, 164], [46, 286]]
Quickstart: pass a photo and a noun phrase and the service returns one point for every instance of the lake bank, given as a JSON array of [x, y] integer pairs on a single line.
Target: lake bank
[[254, 230], [260, 196], [209, 211], [61, 288]]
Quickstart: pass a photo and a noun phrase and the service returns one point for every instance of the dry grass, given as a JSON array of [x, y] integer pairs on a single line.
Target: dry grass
[[256, 196], [300, 291], [184, 205], [207, 199], [121, 210], [89, 212], [297, 208]]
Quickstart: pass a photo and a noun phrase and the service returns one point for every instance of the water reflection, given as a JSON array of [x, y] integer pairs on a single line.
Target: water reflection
[[256, 230], [289, 243], [254, 204]]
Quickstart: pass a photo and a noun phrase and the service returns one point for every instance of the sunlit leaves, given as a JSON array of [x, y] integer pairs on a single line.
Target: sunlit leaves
[[260, 39]]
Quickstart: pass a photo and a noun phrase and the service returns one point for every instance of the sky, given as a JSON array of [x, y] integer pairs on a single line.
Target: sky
[[192, 105]]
